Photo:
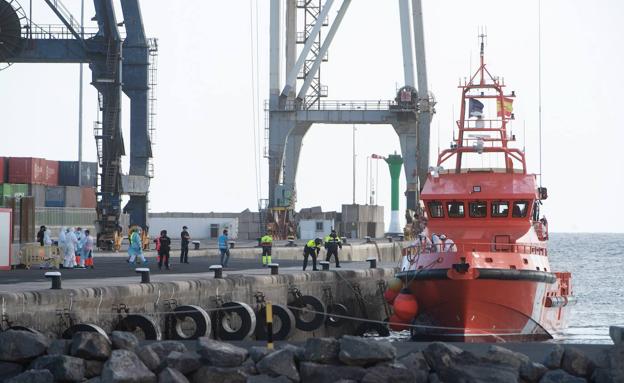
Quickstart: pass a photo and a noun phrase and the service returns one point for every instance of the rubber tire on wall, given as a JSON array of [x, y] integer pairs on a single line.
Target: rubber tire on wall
[[83, 327], [248, 321], [287, 320], [318, 319], [145, 323], [336, 309], [379, 328], [203, 324]]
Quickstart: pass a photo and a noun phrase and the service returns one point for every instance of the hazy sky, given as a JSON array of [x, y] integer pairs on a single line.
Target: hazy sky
[[205, 147]]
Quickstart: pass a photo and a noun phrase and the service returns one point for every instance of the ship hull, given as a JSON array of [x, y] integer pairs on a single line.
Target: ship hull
[[484, 308]]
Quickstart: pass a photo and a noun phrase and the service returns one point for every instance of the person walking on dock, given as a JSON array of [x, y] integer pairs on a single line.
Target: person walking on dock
[[186, 238], [135, 249], [312, 248], [70, 247], [79, 237], [266, 242], [224, 248], [164, 246], [40, 234], [332, 244], [87, 249]]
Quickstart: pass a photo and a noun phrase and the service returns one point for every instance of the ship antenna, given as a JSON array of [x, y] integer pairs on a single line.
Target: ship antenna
[[539, 83], [482, 37]]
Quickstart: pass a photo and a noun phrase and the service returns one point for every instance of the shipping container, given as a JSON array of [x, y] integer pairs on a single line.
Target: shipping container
[[87, 198], [73, 196], [51, 172], [55, 196], [3, 170], [14, 190], [27, 170], [38, 192], [68, 173]]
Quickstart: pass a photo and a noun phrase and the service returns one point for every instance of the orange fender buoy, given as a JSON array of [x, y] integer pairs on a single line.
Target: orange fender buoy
[[405, 306], [390, 295]]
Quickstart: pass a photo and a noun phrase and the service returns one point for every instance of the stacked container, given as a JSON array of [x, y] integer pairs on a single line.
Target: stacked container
[[4, 163], [35, 171], [69, 173]]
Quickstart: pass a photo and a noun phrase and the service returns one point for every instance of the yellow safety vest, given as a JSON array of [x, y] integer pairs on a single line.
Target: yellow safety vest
[[267, 240]]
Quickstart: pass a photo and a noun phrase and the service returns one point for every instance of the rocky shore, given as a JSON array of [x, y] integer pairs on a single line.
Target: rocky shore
[[29, 357]]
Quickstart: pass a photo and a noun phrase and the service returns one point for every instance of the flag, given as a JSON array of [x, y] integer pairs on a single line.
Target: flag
[[507, 107], [475, 108]]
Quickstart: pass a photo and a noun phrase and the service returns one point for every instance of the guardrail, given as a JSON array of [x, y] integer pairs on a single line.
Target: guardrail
[[523, 248], [348, 105]]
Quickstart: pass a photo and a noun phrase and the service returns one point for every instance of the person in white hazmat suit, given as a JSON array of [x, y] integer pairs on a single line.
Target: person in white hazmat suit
[[70, 248], [61, 245]]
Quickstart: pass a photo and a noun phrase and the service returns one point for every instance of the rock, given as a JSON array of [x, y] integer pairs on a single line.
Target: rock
[[279, 363], [59, 347], [267, 379], [441, 355], [164, 348], [357, 351], [97, 379], [63, 367], [185, 362], [9, 370], [321, 350], [21, 346], [434, 378], [93, 368], [298, 351], [532, 371], [323, 373], [257, 353], [604, 375], [123, 340], [32, 376], [553, 360], [617, 334], [90, 345], [479, 372], [560, 376], [214, 374], [249, 367], [417, 364], [391, 373], [576, 362], [125, 366], [221, 354], [149, 358], [501, 355], [171, 375]]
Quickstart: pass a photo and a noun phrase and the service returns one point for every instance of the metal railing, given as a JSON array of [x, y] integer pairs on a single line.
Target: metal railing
[[55, 31], [352, 105], [522, 248]]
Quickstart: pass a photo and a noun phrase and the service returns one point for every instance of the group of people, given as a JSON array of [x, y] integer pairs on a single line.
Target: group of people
[[75, 246], [437, 243], [313, 248], [136, 237]]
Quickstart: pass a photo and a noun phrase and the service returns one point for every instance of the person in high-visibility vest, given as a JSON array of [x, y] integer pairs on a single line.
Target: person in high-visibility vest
[[312, 248], [266, 242], [332, 243]]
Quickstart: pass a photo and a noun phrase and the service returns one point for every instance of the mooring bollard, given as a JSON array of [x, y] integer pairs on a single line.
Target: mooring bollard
[[324, 265], [56, 279], [389, 238], [368, 239], [274, 268], [344, 240], [196, 245], [232, 243], [218, 271], [291, 243], [372, 262], [145, 274]]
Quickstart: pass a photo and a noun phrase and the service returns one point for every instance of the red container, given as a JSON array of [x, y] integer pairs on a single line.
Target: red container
[[51, 172], [27, 170], [3, 162], [87, 199]]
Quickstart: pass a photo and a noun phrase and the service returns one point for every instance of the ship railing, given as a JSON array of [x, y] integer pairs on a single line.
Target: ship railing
[[494, 247]]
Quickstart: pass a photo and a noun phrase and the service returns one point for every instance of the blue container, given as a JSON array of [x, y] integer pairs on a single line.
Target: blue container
[[68, 173], [55, 196]]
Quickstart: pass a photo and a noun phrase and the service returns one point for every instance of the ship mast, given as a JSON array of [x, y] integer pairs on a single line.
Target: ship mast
[[484, 135]]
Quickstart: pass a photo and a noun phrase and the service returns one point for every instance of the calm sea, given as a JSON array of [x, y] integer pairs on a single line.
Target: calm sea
[[596, 262]]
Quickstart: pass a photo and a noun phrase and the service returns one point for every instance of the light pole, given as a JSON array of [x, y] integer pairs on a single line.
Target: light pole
[[80, 101], [353, 164]]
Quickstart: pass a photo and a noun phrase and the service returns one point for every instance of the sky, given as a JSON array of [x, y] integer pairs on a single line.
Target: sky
[[205, 149]]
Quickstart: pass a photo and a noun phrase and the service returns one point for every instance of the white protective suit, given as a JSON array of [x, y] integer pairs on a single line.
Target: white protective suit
[[437, 243], [47, 240], [61, 244], [70, 248]]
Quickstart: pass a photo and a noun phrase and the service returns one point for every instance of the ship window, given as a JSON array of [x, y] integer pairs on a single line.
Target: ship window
[[520, 209], [455, 209], [435, 209], [478, 209], [500, 209]]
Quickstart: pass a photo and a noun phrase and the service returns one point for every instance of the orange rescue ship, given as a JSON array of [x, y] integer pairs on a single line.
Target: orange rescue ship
[[479, 272]]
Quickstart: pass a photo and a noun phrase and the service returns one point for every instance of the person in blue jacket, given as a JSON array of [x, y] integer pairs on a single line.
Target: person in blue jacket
[[223, 248]]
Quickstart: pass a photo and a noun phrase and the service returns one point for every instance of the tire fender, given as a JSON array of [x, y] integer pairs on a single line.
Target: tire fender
[[336, 309], [365, 327], [222, 328], [143, 322], [83, 327], [285, 317], [203, 324], [308, 302]]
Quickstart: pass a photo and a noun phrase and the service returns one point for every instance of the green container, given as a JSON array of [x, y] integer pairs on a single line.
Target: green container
[[13, 190]]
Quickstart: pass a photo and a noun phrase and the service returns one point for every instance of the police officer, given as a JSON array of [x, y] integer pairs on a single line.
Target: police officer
[[312, 248], [266, 242], [332, 244]]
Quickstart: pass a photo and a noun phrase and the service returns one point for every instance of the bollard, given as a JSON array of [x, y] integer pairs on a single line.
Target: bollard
[[196, 245], [368, 239], [274, 268], [218, 271], [232, 243], [56, 279], [145, 274], [372, 262], [291, 243], [324, 265], [344, 240], [269, 321], [389, 238]]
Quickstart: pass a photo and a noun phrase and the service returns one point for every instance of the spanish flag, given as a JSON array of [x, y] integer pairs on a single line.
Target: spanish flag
[[507, 107]]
